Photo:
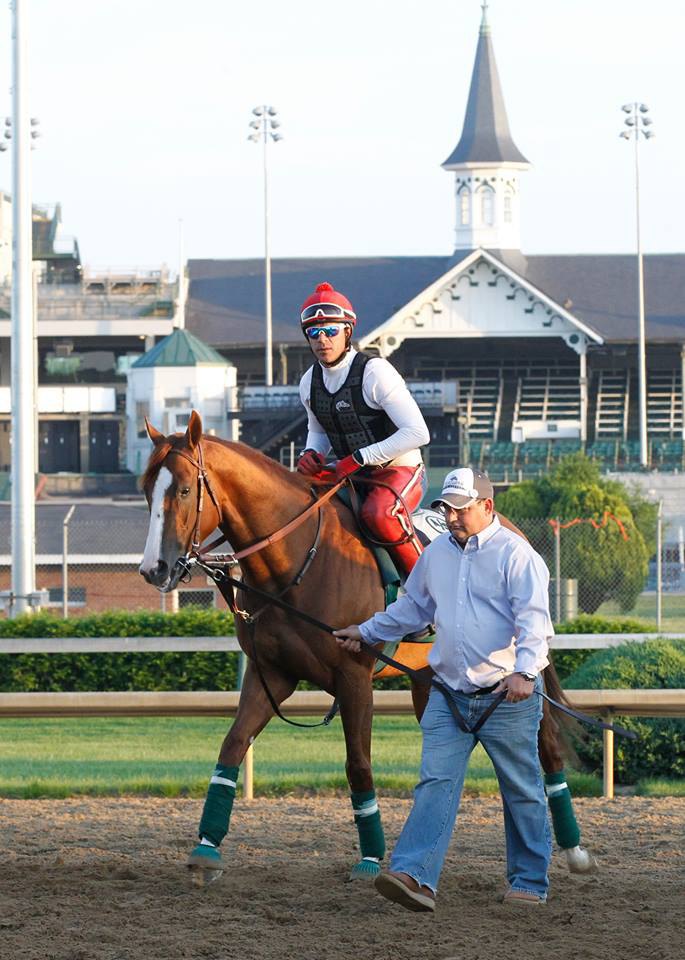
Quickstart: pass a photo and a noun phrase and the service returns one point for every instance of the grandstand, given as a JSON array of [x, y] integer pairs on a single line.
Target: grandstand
[[515, 359]]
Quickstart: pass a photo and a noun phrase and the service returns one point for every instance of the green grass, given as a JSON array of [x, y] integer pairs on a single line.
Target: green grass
[[672, 611], [174, 757], [660, 788], [169, 757]]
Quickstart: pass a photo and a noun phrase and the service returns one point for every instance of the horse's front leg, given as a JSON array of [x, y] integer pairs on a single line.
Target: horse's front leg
[[254, 712], [566, 829], [355, 696]]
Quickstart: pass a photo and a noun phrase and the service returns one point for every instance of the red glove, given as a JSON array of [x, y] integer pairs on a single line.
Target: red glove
[[346, 467], [310, 463]]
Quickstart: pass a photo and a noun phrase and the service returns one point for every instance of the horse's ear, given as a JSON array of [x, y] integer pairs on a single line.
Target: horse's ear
[[194, 431], [153, 433]]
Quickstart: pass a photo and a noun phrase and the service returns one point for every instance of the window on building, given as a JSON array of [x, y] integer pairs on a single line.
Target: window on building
[[508, 205], [487, 205], [142, 411], [464, 205], [77, 596]]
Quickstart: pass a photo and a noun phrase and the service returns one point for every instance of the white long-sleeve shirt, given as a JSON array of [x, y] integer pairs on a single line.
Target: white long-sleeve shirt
[[488, 601], [383, 389]]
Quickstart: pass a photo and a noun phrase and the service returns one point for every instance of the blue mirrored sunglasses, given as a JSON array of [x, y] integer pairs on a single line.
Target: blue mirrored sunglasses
[[332, 331]]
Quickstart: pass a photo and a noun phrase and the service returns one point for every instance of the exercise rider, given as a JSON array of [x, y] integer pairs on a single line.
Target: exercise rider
[[360, 408]]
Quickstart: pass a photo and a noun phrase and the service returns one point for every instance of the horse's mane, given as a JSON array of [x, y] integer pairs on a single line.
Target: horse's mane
[[161, 451]]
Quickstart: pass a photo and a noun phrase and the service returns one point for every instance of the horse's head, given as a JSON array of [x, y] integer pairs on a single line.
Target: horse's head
[[171, 484]]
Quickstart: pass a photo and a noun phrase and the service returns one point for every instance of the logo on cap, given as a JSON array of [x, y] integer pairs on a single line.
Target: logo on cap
[[462, 487]]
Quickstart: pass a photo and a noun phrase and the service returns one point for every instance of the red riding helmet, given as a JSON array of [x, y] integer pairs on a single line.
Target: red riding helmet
[[326, 304]]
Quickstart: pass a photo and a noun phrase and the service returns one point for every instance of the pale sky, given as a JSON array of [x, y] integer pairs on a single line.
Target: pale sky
[[145, 104]]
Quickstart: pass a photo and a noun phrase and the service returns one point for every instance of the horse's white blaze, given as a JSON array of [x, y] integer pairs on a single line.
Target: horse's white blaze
[[153, 544]]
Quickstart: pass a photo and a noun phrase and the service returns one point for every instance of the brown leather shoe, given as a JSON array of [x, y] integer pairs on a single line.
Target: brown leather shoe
[[403, 889], [516, 898]]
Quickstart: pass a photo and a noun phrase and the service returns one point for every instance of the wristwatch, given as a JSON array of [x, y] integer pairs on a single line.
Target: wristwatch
[[531, 677]]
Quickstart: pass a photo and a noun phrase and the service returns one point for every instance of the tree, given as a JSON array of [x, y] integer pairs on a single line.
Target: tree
[[606, 565]]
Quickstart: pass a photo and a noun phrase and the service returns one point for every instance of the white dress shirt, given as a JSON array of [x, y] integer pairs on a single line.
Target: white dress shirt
[[488, 601], [383, 389]]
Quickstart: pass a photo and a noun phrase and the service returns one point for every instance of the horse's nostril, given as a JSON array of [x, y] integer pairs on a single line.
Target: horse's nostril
[[162, 570]]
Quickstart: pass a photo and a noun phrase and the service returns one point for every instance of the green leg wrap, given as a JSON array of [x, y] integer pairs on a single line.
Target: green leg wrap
[[566, 830], [367, 818], [219, 803]]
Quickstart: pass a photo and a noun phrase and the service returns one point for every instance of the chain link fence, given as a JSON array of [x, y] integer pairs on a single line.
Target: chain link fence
[[603, 567], [600, 567], [90, 566]]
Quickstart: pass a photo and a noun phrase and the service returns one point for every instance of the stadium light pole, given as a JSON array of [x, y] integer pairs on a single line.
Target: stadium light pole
[[638, 123], [264, 128], [23, 519]]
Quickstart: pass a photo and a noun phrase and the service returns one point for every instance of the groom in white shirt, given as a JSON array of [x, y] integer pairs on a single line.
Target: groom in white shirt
[[486, 591]]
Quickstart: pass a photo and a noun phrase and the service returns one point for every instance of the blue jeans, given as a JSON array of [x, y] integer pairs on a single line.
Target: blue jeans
[[510, 738]]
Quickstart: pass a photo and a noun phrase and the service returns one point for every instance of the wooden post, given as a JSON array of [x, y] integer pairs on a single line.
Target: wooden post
[[248, 773], [248, 761], [608, 770]]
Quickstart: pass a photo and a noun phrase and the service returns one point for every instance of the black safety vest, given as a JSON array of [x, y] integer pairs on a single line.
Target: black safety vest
[[349, 422]]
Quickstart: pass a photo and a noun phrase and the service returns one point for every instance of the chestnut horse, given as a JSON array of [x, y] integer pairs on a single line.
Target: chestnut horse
[[250, 497]]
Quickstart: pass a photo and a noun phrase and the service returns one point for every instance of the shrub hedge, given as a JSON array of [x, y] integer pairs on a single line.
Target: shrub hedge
[[659, 750], [120, 671], [181, 671]]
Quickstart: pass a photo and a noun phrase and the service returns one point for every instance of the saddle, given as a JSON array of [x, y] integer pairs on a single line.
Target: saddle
[[412, 650]]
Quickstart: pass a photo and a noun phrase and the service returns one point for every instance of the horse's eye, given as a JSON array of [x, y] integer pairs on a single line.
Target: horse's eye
[[185, 491]]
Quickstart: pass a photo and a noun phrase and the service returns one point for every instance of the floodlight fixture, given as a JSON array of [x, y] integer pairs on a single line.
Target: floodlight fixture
[[637, 121], [264, 129]]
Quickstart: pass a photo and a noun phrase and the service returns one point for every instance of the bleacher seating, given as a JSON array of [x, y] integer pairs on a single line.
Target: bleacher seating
[[664, 404], [613, 396], [558, 449], [548, 394], [603, 451], [499, 460], [629, 455], [478, 393], [667, 455]]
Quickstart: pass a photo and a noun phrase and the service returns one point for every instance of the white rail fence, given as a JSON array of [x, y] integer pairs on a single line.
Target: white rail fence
[[605, 703]]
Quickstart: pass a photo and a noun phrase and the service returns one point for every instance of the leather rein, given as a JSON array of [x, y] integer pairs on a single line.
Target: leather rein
[[196, 554], [216, 565]]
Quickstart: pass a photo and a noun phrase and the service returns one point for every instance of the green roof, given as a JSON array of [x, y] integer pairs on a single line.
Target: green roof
[[181, 349]]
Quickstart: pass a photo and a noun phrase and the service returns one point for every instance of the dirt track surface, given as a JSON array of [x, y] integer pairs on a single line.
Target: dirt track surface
[[104, 880]]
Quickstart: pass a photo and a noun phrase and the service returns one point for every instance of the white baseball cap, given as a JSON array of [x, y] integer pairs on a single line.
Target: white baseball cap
[[464, 486]]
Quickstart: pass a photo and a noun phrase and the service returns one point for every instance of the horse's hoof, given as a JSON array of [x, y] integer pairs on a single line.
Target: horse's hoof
[[205, 865], [580, 861], [365, 870]]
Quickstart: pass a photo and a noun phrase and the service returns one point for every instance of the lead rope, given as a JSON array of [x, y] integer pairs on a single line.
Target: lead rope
[[419, 676]]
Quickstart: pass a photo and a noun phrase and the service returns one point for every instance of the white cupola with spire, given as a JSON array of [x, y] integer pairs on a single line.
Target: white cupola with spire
[[486, 162]]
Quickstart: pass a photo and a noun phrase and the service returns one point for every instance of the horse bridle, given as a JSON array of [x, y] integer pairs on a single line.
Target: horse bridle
[[197, 555], [215, 565]]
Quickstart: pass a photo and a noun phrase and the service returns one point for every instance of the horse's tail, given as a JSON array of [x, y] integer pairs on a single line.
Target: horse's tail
[[569, 729]]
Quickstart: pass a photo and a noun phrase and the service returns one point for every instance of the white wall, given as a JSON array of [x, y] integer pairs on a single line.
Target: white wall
[[170, 393], [500, 233]]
